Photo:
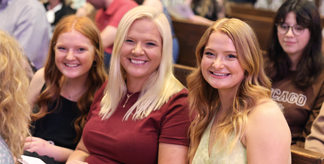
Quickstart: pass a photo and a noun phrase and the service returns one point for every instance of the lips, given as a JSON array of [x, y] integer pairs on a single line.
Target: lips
[[220, 74], [137, 61], [71, 65]]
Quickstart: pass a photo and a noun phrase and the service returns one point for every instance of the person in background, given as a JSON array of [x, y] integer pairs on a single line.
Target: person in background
[[63, 90], [315, 139], [236, 121], [26, 21], [14, 107], [56, 10], [140, 115], [107, 18], [295, 65]]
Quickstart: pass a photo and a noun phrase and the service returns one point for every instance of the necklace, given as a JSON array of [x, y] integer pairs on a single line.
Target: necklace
[[128, 96], [70, 97]]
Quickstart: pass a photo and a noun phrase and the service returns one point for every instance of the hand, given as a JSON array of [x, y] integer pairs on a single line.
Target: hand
[[38, 145], [76, 162]]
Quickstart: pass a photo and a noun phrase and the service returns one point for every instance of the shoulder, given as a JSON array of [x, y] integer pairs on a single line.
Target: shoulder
[[36, 85], [266, 119]]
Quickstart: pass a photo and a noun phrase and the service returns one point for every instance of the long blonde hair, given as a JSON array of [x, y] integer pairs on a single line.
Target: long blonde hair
[[204, 99], [14, 107], [160, 86]]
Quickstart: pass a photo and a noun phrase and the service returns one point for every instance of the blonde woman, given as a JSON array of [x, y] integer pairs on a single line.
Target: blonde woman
[[141, 114], [14, 107], [236, 121]]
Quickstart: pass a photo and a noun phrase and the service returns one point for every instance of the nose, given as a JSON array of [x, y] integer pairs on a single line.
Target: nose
[[138, 50], [70, 56], [290, 32], [218, 63]]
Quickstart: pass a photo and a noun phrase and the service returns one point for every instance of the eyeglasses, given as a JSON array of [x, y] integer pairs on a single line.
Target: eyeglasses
[[296, 29]]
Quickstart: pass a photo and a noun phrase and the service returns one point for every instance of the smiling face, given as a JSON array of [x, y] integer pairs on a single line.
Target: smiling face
[[291, 44], [141, 51], [74, 54], [219, 65]]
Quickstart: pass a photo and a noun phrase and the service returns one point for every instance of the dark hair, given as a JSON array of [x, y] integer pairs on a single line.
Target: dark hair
[[311, 64]]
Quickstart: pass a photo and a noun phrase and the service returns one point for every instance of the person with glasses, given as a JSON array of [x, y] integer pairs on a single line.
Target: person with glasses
[[295, 65]]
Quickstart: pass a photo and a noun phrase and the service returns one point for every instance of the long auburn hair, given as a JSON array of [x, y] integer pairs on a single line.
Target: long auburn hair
[[54, 78], [159, 87], [311, 63], [14, 107], [204, 99]]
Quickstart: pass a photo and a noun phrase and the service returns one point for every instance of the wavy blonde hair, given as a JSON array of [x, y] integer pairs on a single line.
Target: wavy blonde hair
[[204, 99], [14, 107], [160, 86]]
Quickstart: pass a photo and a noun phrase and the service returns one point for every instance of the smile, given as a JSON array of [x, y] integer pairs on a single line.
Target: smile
[[220, 74], [72, 65], [137, 61]]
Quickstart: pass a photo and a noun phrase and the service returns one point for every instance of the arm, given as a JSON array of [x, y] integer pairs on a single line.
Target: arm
[[315, 140], [34, 33], [35, 86], [108, 36], [81, 153], [267, 137], [200, 20], [172, 154], [154, 3], [42, 147]]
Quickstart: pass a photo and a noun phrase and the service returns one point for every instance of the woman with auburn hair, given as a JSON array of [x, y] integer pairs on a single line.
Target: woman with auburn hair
[[296, 65], [64, 89], [140, 115], [14, 108], [236, 121]]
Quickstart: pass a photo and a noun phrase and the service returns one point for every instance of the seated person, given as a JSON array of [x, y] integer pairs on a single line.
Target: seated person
[[140, 115], [315, 139], [236, 120], [56, 10], [14, 107], [295, 65], [63, 90]]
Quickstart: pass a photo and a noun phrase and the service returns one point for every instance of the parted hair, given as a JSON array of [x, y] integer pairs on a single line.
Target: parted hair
[[159, 87], [14, 108], [54, 78], [311, 63], [204, 99]]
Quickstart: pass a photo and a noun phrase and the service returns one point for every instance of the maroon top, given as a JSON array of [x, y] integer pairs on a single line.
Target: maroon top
[[116, 141]]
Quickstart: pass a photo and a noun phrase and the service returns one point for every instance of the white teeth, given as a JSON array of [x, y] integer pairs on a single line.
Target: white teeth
[[71, 65], [137, 61], [220, 74]]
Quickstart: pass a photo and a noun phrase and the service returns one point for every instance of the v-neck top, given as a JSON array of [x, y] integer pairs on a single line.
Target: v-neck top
[[237, 156]]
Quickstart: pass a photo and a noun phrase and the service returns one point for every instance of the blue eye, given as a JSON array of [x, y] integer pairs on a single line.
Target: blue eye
[[208, 54], [61, 48], [231, 56], [151, 44], [129, 41], [81, 49]]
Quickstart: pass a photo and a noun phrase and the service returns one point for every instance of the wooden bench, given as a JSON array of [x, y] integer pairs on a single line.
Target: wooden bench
[[303, 156], [181, 72], [188, 35]]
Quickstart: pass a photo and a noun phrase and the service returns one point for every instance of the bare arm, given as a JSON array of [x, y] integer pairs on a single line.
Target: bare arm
[[267, 137], [42, 147], [35, 86], [172, 154], [200, 20], [81, 153], [108, 36]]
